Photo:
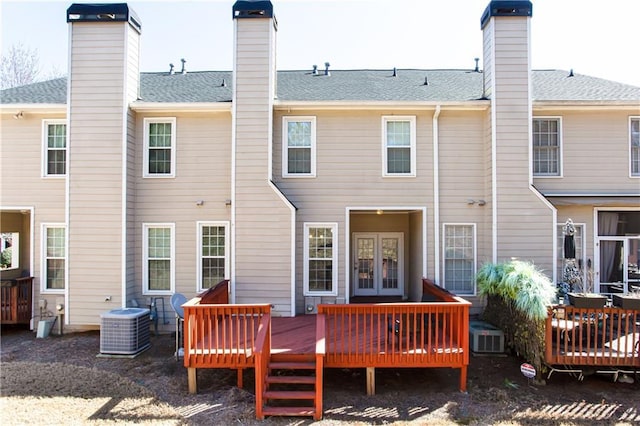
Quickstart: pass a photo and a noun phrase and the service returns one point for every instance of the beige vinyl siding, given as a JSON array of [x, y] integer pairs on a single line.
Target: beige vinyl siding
[[524, 222], [22, 185], [97, 127], [263, 220], [349, 174], [595, 146], [203, 172]]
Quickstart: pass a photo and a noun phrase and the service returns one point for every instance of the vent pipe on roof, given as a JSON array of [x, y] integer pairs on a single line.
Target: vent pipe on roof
[[570, 73], [315, 70], [171, 71], [477, 69], [395, 72], [326, 68], [224, 83], [426, 81], [184, 68]]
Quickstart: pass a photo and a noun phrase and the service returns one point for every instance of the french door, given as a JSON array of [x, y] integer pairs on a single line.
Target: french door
[[378, 263], [619, 272]]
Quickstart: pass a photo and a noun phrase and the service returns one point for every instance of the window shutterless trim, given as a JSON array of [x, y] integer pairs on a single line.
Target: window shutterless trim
[[558, 119], [43, 264], [474, 269], [45, 149], [145, 161], [145, 258], [631, 148], [201, 225], [412, 144], [334, 258], [285, 146]]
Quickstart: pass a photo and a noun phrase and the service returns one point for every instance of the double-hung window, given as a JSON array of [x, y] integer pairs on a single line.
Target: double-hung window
[[159, 147], [460, 258], [213, 256], [298, 146], [634, 142], [54, 148], [320, 258], [547, 146], [54, 257], [399, 146], [158, 267]]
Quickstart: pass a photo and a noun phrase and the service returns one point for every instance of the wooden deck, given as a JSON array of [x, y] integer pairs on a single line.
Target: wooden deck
[[15, 301], [369, 335], [607, 337]]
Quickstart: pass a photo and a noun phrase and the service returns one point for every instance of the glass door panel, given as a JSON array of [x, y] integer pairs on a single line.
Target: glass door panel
[[390, 251], [365, 275], [633, 264], [378, 264], [611, 262]]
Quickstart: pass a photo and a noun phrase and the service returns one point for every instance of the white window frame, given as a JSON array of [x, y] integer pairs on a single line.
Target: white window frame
[[45, 148], [560, 148], [285, 146], [631, 173], [45, 258], [201, 225], [145, 165], [334, 259], [475, 256], [412, 144], [145, 259]]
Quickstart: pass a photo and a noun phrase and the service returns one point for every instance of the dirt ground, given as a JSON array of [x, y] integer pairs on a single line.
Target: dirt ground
[[61, 380]]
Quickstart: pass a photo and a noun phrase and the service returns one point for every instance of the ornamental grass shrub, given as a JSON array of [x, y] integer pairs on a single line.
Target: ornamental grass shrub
[[518, 295]]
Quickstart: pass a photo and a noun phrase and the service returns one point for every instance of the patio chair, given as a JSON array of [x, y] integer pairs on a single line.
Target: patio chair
[[177, 300]]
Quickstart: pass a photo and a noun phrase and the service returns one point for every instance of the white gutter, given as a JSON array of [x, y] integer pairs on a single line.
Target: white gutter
[[380, 105], [586, 105], [139, 106], [436, 196], [34, 108]]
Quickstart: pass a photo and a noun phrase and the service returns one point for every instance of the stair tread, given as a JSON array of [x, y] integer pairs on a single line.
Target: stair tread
[[288, 411], [291, 379], [292, 365], [294, 394]]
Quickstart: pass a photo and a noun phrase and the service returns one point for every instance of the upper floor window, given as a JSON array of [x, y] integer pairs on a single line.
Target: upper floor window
[[547, 154], [399, 146], [54, 148], [460, 258], [158, 258], [159, 147], [320, 258], [298, 146], [54, 257], [213, 259], [634, 141]]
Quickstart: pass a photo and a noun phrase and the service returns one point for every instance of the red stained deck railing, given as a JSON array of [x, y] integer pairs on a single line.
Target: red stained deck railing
[[601, 337], [220, 336], [434, 334], [15, 301]]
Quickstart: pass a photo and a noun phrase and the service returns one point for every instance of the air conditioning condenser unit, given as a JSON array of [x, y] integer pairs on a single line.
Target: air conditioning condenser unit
[[485, 338], [125, 331]]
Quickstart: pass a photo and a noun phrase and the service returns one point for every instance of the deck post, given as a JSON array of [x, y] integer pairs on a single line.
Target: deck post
[[463, 379], [239, 378], [371, 380], [191, 377]]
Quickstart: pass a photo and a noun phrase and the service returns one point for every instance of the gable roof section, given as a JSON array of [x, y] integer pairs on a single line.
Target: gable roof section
[[348, 85]]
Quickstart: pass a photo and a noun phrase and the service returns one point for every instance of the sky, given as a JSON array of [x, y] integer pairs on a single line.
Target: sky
[[596, 38]]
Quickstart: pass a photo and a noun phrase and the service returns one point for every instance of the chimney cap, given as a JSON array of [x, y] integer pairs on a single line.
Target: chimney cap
[[253, 9], [506, 8], [103, 12]]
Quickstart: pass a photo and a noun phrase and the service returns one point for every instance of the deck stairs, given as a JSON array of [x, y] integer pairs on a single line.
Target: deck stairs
[[291, 386]]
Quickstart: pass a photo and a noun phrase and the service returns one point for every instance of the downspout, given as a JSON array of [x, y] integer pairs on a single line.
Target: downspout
[[232, 260], [436, 197], [67, 187]]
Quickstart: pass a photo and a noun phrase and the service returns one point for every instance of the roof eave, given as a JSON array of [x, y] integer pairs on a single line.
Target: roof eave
[[139, 106], [477, 105], [33, 108], [587, 105]]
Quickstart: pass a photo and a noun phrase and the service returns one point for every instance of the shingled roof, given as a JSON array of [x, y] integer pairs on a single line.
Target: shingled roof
[[344, 85]]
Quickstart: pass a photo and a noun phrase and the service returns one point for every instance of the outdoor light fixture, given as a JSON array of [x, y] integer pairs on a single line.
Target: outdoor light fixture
[[19, 115]]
